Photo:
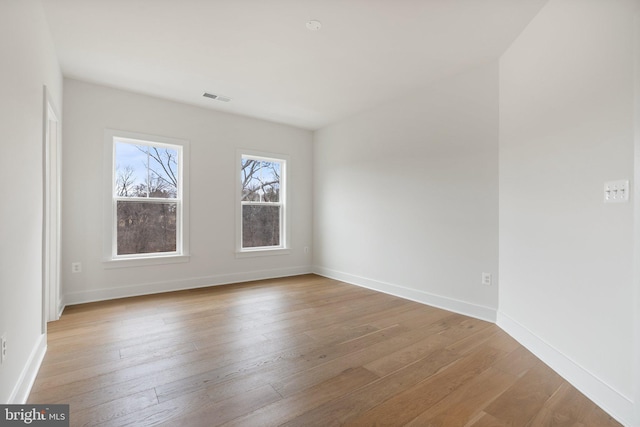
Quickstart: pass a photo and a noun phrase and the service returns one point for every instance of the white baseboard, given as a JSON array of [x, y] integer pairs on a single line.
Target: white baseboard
[[450, 304], [178, 285], [610, 400], [23, 386]]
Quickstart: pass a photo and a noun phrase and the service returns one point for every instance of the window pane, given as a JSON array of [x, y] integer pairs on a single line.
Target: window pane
[[260, 180], [146, 227], [145, 171], [131, 170], [260, 226]]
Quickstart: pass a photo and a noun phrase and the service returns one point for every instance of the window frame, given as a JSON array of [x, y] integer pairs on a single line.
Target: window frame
[[284, 202], [111, 258]]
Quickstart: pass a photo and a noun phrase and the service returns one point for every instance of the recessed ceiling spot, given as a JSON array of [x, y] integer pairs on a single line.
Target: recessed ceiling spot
[[216, 97], [314, 25]]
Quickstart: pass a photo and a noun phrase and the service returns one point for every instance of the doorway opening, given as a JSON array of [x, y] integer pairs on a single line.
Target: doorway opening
[[51, 213]]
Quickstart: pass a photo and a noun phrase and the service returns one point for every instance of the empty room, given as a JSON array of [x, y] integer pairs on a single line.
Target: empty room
[[320, 212]]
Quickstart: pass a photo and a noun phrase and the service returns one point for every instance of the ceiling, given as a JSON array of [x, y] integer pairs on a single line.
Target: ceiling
[[260, 53]]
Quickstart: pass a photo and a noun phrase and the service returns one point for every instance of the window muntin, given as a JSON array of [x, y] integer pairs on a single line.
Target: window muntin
[[262, 202], [147, 199]]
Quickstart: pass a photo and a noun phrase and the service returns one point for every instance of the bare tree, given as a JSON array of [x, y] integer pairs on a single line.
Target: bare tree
[[260, 220], [147, 227], [260, 180], [162, 167], [125, 180]]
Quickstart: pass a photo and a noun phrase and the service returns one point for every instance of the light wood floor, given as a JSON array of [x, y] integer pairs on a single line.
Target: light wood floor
[[300, 351]]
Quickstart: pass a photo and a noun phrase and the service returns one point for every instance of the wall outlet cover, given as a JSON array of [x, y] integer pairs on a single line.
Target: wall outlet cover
[[3, 349], [486, 279]]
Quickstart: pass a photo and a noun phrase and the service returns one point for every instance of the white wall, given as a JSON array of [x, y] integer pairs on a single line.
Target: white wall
[[214, 137], [28, 63], [405, 195], [566, 258]]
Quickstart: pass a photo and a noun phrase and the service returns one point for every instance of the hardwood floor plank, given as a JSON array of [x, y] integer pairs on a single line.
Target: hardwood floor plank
[[401, 407], [296, 351], [486, 420], [276, 365], [567, 406], [296, 382], [160, 413], [215, 414], [339, 332], [52, 365], [116, 408], [470, 342], [465, 329], [406, 314], [343, 410], [120, 368], [596, 417], [158, 350], [503, 341], [397, 360], [285, 409], [129, 376], [521, 402], [517, 362], [375, 354], [463, 404]]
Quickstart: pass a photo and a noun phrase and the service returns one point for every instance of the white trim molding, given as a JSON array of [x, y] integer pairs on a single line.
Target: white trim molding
[[285, 214], [610, 400], [109, 246], [179, 285], [462, 307], [51, 213], [23, 386]]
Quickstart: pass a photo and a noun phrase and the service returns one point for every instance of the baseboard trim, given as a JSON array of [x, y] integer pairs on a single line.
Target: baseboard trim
[[104, 294], [450, 304], [23, 386], [610, 400]]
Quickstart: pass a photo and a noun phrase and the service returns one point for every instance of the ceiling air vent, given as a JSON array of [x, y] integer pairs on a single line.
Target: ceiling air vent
[[216, 97]]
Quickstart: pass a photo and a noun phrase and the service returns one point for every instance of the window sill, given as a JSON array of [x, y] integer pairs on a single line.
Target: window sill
[[262, 252], [141, 262]]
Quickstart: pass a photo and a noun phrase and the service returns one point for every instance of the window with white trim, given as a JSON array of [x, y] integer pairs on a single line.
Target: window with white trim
[[262, 221], [147, 195]]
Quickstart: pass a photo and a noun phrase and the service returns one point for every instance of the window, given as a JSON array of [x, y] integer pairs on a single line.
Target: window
[[147, 203], [262, 207]]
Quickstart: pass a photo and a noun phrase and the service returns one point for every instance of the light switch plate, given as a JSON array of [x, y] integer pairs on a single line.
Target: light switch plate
[[616, 191]]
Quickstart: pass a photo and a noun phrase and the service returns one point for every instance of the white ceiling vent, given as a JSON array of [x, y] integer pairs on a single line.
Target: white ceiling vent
[[314, 25], [216, 97]]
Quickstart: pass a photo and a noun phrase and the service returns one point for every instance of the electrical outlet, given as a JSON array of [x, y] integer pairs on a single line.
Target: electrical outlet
[[76, 267], [486, 279], [3, 349]]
